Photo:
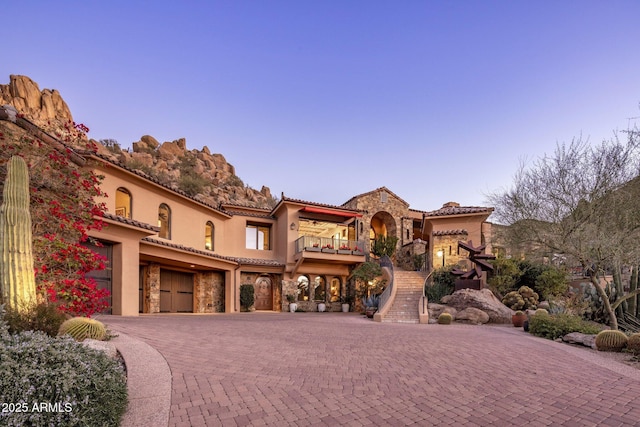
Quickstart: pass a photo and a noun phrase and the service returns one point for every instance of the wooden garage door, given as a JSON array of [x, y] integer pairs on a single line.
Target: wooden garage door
[[102, 277], [176, 292]]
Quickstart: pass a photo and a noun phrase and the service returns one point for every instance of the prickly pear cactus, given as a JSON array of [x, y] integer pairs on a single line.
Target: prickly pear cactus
[[17, 277]]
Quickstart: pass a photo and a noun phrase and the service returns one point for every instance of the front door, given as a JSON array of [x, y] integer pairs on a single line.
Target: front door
[[264, 297]]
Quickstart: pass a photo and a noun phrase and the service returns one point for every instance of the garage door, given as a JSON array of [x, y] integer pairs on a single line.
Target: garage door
[[176, 292], [102, 277]]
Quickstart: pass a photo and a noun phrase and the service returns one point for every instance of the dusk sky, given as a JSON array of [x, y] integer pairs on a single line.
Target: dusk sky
[[323, 100]]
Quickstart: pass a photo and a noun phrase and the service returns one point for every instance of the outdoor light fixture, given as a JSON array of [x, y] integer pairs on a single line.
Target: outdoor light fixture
[[440, 254], [292, 226]]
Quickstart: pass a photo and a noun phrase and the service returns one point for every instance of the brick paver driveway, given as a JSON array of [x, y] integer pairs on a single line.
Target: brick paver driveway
[[342, 369]]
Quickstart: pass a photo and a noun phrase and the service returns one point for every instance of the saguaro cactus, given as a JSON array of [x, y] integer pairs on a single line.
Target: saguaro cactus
[[17, 277]]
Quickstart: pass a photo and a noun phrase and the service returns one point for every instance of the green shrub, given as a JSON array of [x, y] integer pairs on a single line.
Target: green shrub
[[542, 311], [443, 284], [552, 327], [504, 276], [81, 328], [611, 341], [633, 344], [552, 282], [445, 319], [41, 317], [246, 296], [79, 386]]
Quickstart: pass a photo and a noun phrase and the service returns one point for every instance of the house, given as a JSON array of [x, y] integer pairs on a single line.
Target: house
[[169, 252]]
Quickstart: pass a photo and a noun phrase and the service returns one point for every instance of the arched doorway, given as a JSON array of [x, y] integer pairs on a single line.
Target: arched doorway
[[263, 293], [382, 224]]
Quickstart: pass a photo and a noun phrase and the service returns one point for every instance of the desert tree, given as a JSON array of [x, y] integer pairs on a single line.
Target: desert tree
[[580, 204]]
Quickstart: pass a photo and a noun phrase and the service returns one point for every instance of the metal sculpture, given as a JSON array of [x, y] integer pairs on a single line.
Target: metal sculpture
[[481, 264]]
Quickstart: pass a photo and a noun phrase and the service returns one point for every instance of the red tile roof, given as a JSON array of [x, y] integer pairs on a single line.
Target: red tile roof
[[130, 221]]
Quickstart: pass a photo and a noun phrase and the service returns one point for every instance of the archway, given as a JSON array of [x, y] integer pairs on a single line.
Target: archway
[[382, 224]]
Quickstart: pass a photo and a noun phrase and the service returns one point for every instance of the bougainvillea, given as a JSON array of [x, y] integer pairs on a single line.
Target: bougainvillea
[[63, 212]]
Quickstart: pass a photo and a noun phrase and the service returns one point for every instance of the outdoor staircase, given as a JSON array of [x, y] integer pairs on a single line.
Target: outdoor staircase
[[404, 308]]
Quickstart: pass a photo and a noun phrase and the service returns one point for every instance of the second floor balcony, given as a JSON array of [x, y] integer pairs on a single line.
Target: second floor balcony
[[329, 245]]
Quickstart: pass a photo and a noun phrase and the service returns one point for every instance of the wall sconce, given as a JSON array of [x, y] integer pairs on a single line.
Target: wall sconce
[[292, 226]]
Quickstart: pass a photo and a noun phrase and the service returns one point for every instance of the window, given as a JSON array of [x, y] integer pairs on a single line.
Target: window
[[208, 236], [319, 291], [123, 202], [303, 288], [164, 221], [258, 237]]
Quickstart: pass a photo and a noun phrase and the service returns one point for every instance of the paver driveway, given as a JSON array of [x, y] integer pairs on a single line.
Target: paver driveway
[[342, 369]]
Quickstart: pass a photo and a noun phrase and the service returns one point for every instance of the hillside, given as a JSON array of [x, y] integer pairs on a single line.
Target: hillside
[[199, 173]]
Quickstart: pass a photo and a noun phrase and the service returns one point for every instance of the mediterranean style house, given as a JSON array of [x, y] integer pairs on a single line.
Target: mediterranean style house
[[169, 252]]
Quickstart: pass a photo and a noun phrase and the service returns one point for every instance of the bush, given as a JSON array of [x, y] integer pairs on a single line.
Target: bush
[[552, 327], [79, 386], [246, 296], [42, 317], [551, 282], [443, 284]]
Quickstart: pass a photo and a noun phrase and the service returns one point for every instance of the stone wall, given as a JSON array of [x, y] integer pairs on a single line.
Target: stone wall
[[153, 285], [448, 243], [208, 290]]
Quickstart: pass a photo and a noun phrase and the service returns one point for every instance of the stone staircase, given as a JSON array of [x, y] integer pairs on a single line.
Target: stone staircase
[[404, 308]]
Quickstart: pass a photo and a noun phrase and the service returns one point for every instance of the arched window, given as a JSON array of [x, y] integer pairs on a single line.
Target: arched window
[[164, 221], [208, 236], [335, 290], [123, 202], [319, 291], [303, 288]]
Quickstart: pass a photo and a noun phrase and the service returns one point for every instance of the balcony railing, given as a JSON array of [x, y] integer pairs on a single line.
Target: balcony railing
[[329, 245]]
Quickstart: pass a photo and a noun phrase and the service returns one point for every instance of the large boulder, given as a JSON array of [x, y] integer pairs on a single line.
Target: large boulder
[[472, 315], [482, 299]]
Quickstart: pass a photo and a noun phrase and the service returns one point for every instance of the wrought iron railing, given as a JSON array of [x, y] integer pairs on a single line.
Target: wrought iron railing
[[325, 244], [385, 261]]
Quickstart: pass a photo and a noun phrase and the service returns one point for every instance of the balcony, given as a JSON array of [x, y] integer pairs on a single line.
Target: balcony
[[327, 245]]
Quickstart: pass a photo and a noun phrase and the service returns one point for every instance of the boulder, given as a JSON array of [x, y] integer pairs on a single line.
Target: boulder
[[581, 339], [39, 106], [472, 315], [107, 347], [436, 310], [482, 299], [150, 141]]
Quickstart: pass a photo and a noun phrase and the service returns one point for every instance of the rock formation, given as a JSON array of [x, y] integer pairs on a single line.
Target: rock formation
[[38, 106], [198, 173], [461, 302]]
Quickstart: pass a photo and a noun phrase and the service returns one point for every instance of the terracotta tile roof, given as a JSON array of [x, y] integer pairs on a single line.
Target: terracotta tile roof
[[258, 261], [459, 210], [306, 202], [130, 221], [250, 214], [244, 261], [450, 232], [186, 248], [141, 174]]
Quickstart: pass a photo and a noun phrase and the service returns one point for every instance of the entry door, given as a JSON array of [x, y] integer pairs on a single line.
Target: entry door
[[176, 292], [264, 296]]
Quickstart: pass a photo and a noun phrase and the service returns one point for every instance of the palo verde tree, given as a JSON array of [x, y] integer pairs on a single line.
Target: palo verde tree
[[581, 203], [63, 211]]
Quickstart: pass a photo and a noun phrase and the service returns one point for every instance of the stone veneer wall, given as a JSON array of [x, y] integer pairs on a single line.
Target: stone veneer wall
[[153, 286], [372, 203], [450, 257], [208, 290]]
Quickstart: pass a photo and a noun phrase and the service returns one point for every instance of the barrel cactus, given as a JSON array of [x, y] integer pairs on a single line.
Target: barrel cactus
[[81, 328], [633, 344], [541, 312], [611, 340], [17, 277], [445, 319]]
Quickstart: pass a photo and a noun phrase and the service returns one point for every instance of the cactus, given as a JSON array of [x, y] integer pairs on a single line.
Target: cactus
[[17, 278], [81, 328], [445, 319], [633, 344], [610, 340], [541, 311]]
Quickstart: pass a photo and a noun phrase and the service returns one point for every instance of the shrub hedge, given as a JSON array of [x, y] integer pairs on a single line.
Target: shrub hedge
[[552, 327]]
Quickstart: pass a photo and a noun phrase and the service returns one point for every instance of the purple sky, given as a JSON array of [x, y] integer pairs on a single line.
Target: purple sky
[[323, 100]]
